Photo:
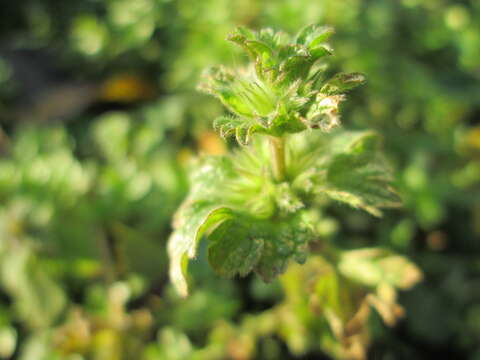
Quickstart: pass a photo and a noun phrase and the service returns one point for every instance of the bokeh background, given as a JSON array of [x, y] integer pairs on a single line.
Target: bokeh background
[[100, 122]]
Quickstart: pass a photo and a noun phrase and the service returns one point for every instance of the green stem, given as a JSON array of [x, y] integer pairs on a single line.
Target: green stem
[[277, 146]]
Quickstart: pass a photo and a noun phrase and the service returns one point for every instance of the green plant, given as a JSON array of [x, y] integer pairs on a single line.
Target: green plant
[[258, 206]]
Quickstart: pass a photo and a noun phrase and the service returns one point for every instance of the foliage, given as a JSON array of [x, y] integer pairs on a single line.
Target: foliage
[[95, 139], [254, 206]]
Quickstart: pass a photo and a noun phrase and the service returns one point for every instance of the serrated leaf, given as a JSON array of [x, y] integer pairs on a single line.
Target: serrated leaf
[[321, 35], [242, 129], [220, 82], [232, 250], [360, 176], [295, 67], [314, 35], [283, 241], [226, 125], [191, 222], [260, 49], [343, 82], [305, 33]]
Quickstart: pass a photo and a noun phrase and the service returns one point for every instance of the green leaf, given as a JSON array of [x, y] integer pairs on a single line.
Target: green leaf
[[226, 125], [295, 67], [286, 199], [232, 250], [209, 178], [283, 241], [242, 129], [260, 49], [322, 35], [220, 82], [241, 34], [375, 266], [320, 51], [343, 82], [313, 35], [357, 173], [305, 33], [191, 222]]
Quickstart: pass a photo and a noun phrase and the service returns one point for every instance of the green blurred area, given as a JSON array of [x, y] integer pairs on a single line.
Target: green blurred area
[[101, 123]]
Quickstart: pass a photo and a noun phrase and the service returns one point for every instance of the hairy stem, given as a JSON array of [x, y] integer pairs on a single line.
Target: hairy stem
[[277, 146]]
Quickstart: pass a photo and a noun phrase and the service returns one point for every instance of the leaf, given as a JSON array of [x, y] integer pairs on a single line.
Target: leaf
[[232, 250], [220, 82], [324, 113], [283, 241], [314, 35], [319, 52], [286, 199], [375, 266], [209, 178], [240, 34], [295, 67], [260, 49], [242, 129], [191, 222], [359, 175], [342, 83], [226, 125], [304, 34], [321, 35]]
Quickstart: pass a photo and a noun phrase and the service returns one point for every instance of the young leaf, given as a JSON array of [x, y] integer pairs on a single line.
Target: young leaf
[[319, 51], [313, 35], [342, 83], [322, 35]]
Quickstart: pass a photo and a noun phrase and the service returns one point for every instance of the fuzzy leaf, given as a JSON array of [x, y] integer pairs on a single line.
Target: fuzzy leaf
[[242, 129], [295, 67], [208, 179], [260, 49], [242, 244], [232, 250], [283, 241], [313, 35], [320, 51], [322, 35], [343, 82], [226, 125], [357, 174]]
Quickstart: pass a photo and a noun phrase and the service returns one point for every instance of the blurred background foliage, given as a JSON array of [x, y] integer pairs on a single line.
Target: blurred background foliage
[[100, 122]]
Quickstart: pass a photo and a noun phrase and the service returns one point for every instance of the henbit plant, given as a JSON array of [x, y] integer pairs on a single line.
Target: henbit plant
[[257, 206]]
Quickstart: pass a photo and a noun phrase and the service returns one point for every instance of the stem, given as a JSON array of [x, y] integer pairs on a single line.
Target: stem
[[277, 146]]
